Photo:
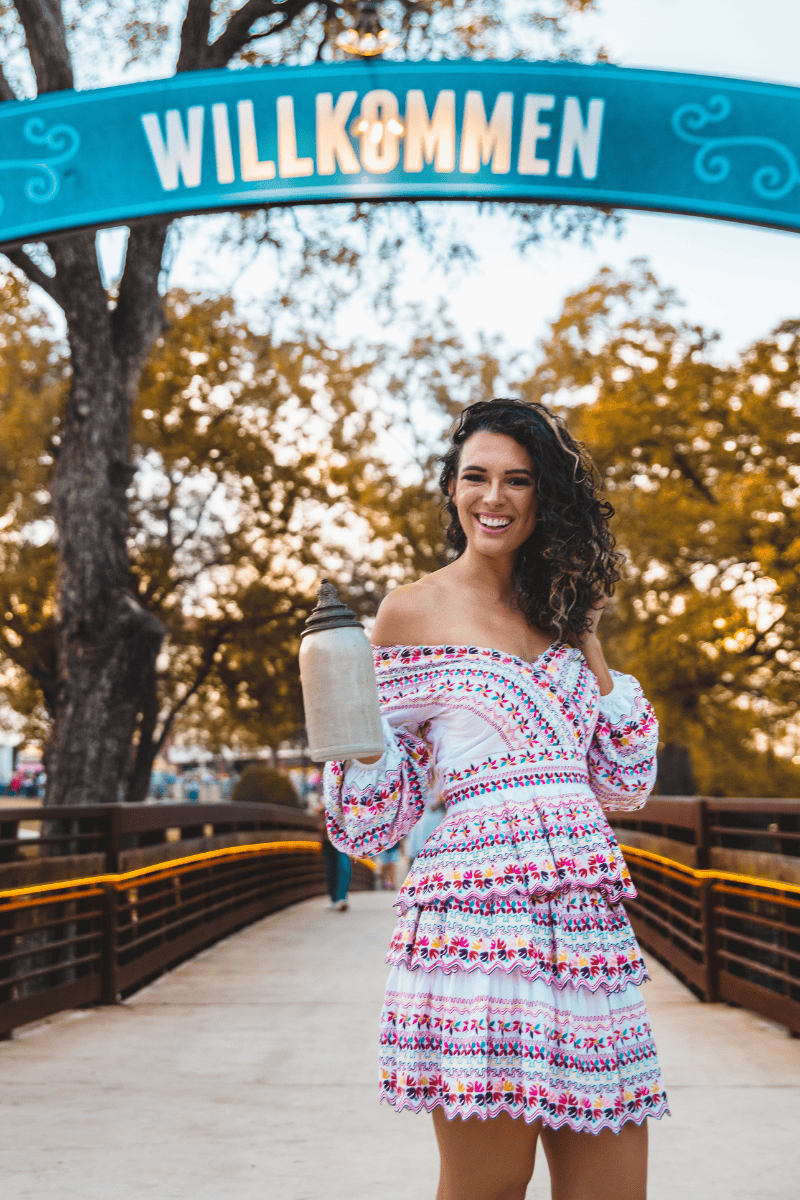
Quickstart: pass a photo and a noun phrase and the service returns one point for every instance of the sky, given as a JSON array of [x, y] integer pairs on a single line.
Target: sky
[[735, 279]]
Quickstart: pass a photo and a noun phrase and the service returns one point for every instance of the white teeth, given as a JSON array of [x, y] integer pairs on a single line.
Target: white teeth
[[494, 522]]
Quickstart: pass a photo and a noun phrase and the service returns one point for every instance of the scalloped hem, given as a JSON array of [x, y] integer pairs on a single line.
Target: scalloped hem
[[613, 1123], [590, 985], [622, 890]]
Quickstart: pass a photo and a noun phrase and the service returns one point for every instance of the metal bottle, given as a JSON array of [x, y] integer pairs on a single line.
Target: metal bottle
[[338, 679]]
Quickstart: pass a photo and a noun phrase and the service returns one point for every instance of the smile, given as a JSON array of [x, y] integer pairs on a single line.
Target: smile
[[489, 522]]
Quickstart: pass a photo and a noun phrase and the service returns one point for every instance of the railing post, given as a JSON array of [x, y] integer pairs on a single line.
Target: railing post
[[9, 832], [710, 960], [704, 832], [108, 986], [113, 837]]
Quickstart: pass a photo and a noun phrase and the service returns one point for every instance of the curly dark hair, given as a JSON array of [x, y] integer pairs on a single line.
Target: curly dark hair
[[569, 562]]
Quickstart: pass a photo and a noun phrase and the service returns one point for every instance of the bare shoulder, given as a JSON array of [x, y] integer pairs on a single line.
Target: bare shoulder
[[406, 615]]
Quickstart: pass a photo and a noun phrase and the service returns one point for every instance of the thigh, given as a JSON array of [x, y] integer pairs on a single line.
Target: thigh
[[597, 1166], [484, 1159]]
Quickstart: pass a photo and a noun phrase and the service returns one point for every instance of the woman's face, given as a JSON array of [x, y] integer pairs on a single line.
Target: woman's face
[[494, 492]]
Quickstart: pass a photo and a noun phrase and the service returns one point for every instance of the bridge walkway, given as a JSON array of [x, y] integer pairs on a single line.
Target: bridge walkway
[[249, 1074]]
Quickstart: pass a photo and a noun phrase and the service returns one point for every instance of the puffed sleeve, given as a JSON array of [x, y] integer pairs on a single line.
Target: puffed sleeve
[[371, 807], [622, 753]]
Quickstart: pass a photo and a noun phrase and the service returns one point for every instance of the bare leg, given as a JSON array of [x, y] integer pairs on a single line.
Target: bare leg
[[597, 1166], [484, 1160]]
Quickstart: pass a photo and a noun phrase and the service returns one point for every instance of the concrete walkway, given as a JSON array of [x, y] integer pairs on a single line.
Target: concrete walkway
[[249, 1074]]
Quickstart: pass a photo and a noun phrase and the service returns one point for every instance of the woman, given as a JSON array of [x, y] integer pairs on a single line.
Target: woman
[[512, 994]]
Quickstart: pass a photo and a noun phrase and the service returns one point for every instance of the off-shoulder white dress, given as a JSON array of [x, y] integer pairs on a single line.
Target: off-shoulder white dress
[[513, 984]]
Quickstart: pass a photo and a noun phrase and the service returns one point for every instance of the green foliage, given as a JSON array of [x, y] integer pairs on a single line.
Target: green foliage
[[262, 465], [264, 785], [235, 443], [700, 461], [227, 532], [32, 388]]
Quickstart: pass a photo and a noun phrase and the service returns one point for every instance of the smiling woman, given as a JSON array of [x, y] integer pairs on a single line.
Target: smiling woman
[[566, 563], [495, 489], [513, 993]]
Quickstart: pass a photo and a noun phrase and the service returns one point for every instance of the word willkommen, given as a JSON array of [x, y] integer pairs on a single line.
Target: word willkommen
[[549, 137]]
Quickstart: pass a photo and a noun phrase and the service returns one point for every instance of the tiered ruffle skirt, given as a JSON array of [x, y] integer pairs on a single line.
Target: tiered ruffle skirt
[[514, 974]]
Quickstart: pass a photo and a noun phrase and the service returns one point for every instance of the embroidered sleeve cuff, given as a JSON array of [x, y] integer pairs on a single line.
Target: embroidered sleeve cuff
[[366, 772], [621, 700]]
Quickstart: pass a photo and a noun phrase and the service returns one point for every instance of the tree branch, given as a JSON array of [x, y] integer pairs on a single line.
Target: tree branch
[[689, 473], [178, 581], [6, 90], [194, 36], [203, 671], [138, 318], [236, 34], [48, 283], [761, 637], [46, 39]]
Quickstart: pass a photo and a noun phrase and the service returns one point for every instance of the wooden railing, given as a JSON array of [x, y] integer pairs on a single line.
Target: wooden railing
[[164, 881], [755, 837], [729, 934], [137, 889]]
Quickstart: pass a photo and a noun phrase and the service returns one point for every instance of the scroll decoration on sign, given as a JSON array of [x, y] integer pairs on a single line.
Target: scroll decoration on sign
[[60, 142], [771, 181]]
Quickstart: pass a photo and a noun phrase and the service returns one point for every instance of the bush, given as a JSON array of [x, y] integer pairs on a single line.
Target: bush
[[264, 785]]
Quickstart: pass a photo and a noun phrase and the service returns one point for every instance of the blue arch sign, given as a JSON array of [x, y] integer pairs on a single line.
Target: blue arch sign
[[540, 132]]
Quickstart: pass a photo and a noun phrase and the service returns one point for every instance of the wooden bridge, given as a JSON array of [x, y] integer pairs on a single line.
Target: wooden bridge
[[248, 1071]]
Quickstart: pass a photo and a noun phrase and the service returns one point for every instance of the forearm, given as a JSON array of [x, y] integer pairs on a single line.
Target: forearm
[[593, 653]]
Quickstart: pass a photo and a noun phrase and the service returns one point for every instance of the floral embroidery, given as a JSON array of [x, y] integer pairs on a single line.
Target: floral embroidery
[[518, 888], [573, 938], [519, 846], [481, 1055], [370, 817]]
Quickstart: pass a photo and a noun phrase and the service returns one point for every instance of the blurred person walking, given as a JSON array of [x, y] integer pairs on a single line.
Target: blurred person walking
[[338, 867], [387, 860]]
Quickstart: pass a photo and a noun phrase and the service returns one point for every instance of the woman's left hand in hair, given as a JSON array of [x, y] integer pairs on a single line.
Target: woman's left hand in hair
[[594, 615], [592, 650]]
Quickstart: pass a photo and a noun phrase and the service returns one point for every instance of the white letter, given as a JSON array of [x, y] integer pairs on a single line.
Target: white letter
[[332, 140], [380, 141], [434, 140], [583, 138], [222, 143], [252, 170], [532, 132], [482, 142], [178, 153], [289, 165]]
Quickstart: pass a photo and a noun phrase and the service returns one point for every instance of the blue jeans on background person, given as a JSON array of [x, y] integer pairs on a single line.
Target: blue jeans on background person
[[338, 870]]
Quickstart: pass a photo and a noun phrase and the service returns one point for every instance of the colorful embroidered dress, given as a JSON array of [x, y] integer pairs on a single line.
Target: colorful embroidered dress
[[514, 974]]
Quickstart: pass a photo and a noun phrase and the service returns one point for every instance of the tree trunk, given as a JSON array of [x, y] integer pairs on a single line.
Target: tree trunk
[[107, 643], [148, 745]]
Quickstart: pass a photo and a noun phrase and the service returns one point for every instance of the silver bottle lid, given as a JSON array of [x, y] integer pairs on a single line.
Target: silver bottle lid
[[330, 613]]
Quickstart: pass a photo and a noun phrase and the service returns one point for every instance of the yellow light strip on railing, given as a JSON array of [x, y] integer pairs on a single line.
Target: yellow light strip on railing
[[696, 873], [731, 891], [123, 879], [55, 900]]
